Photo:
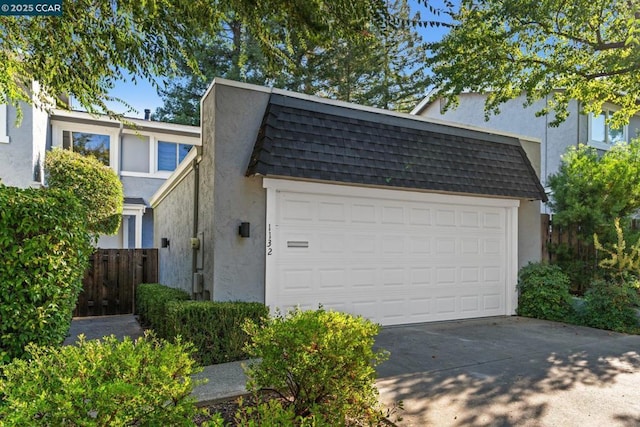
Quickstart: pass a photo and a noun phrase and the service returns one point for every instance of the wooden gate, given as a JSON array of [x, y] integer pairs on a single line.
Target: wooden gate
[[110, 281]]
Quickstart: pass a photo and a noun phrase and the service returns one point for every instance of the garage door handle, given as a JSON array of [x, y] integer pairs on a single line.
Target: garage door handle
[[297, 244]]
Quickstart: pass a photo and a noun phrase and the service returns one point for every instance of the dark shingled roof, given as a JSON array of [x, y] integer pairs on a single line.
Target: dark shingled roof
[[301, 138]]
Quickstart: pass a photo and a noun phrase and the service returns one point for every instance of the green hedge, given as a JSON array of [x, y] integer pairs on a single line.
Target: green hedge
[[214, 328], [45, 248], [151, 302]]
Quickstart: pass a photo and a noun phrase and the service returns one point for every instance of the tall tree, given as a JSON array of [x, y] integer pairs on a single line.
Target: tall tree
[[587, 50], [380, 66], [230, 52], [90, 47], [401, 81]]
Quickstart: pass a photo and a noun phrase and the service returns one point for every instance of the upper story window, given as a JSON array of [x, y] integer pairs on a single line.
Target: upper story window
[[129, 152], [88, 144], [171, 154], [601, 134], [143, 154], [135, 153]]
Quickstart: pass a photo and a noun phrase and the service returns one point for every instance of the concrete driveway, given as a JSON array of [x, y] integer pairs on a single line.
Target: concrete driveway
[[511, 371]]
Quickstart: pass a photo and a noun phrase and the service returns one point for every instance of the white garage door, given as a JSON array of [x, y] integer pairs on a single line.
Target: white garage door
[[395, 257]]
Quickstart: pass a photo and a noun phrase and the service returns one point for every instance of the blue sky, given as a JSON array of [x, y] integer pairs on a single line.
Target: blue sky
[[143, 95]]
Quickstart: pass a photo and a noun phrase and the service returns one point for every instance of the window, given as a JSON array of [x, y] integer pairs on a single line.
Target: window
[[135, 153], [88, 144], [602, 134], [171, 154]]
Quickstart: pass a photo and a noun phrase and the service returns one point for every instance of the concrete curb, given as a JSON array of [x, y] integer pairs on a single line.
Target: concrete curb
[[225, 381]]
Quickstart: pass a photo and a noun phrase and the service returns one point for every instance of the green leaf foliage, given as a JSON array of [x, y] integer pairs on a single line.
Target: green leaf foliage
[[623, 263], [274, 413], [151, 305], [214, 328], [101, 383], [556, 50], [612, 306], [593, 189], [544, 292], [380, 67], [321, 362], [45, 249], [589, 191], [97, 187], [96, 43]]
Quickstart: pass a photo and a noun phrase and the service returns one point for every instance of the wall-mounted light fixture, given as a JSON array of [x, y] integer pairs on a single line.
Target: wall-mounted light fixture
[[244, 228], [164, 242]]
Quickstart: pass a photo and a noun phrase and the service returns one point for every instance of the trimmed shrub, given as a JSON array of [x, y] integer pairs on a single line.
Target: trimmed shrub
[[544, 292], [45, 250], [101, 383], [215, 328], [151, 304], [321, 362], [96, 185], [611, 306]]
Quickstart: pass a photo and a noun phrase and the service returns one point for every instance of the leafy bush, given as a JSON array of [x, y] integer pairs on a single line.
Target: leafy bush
[[215, 328], [146, 382], [273, 413], [96, 185], [45, 249], [321, 362], [623, 263], [609, 305], [151, 304], [589, 191], [544, 292]]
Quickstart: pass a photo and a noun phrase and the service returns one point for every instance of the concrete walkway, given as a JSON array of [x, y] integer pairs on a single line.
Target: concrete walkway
[[507, 371]]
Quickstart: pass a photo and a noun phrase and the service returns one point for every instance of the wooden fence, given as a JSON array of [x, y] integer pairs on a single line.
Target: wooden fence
[[556, 237], [560, 245], [110, 282]]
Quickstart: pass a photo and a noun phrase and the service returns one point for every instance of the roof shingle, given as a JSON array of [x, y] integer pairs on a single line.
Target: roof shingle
[[305, 139]]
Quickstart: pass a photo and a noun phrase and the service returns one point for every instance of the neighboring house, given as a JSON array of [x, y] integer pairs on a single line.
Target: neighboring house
[[297, 200], [517, 118], [143, 157]]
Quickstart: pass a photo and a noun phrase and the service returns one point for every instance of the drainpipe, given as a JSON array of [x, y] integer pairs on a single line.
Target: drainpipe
[[196, 193]]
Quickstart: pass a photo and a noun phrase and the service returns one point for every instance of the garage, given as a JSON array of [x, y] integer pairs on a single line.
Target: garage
[[395, 257], [388, 216]]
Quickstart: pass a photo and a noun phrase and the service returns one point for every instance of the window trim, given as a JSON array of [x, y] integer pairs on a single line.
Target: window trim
[[57, 130], [4, 124], [605, 145], [154, 138]]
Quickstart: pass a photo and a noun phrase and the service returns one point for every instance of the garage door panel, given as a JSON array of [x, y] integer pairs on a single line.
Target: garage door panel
[[394, 261]]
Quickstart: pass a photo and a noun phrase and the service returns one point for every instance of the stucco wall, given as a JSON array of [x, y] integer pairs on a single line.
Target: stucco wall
[[140, 186], [515, 118], [16, 157], [173, 219], [529, 231], [231, 120]]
